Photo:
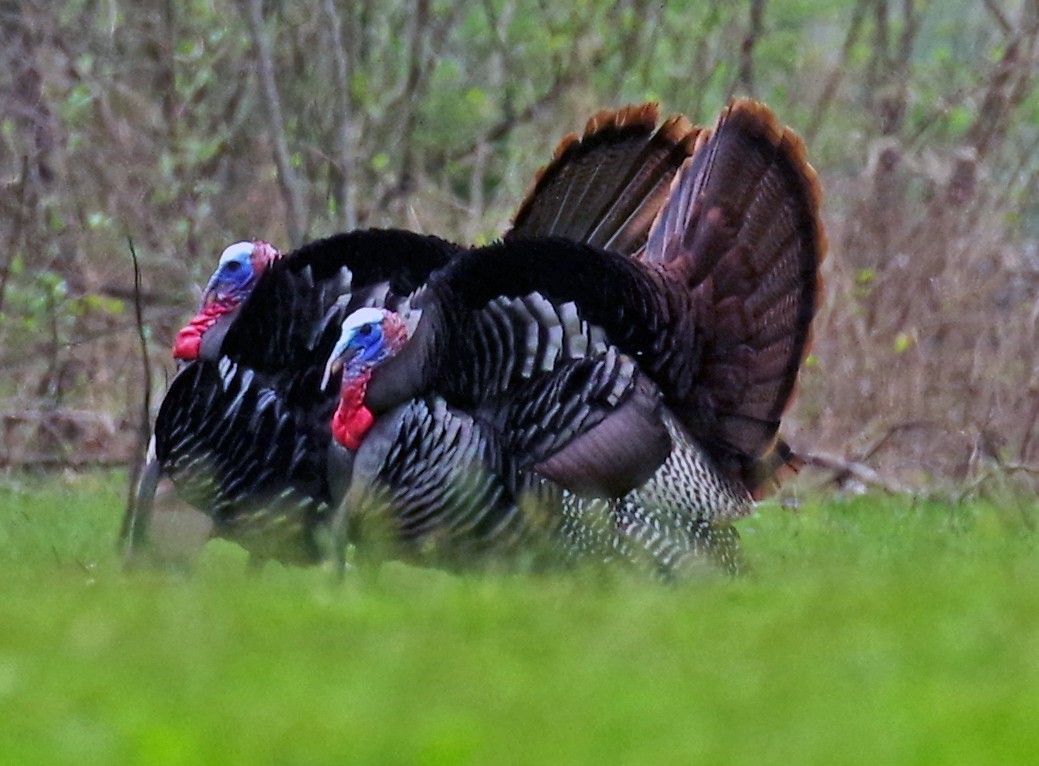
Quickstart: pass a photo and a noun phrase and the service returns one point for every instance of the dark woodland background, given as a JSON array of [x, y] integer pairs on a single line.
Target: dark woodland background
[[184, 126]]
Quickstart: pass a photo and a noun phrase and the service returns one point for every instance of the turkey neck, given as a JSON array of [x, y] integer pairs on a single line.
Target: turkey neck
[[352, 419]]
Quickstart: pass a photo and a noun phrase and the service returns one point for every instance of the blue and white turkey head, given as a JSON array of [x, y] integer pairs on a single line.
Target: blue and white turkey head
[[240, 266], [368, 338]]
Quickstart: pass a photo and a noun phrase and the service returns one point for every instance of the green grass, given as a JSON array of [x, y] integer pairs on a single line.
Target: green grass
[[872, 631]]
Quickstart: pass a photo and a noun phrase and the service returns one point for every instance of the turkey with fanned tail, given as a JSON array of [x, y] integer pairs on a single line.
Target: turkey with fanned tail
[[606, 404], [242, 432], [245, 440]]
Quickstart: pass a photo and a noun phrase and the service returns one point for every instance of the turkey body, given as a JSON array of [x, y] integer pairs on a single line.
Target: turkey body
[[614, 404], [242, 434], [439, 487]]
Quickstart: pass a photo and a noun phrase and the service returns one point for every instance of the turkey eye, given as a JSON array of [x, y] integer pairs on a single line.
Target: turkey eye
[[233, 265], [365, 330]]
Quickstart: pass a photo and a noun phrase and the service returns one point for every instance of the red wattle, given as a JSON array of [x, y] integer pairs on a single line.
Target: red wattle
[[350, 426], [189, 340], [187, 344], [352, 419]]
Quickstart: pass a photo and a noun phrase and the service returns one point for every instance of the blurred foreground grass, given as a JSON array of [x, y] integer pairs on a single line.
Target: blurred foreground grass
[[873, 630]]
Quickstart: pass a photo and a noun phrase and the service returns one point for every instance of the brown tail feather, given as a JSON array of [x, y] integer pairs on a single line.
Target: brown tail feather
[[741, 233], [605, 188]]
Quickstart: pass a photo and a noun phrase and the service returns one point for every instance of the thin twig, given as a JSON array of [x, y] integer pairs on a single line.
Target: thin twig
[[895, 428], [503, 128], [842, 470], [1029, 432], [144, 428], [65, 415], [39, 461]]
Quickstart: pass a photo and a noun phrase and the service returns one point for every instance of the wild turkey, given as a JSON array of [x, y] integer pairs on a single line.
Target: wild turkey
[[243, 429], [602, 404], [210, 439]]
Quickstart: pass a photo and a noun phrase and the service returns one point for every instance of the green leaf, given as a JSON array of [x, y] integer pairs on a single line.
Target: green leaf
[[960, 118], [54, 219], [475, 97]]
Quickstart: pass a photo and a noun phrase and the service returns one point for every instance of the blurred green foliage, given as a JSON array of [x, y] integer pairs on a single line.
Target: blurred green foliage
[[869, 630]]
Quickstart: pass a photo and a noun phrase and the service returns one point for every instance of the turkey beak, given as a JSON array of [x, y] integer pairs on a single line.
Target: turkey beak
[[334, 365], [220, 288], [341, 354], [211, 293]]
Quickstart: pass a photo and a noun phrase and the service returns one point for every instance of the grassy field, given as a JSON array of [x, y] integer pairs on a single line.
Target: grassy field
[[873, 631]]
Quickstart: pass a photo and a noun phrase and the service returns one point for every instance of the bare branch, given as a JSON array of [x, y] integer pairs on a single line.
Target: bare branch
[[912, 17], [286, 175], [843, 470], [1008, 86], [1001, 20], [344, 115], [837, 74], [892, 430], [16, 234], [411, 95], [500, 130], [754, 29]]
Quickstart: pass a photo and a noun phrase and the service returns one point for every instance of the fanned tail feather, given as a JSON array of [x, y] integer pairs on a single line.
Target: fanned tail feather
[[605, 187], [741, 233]]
